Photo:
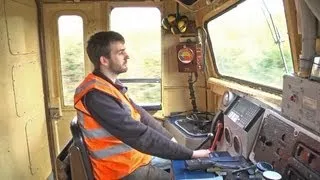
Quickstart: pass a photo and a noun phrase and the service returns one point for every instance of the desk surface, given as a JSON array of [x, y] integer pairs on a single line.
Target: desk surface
[[180, 172]]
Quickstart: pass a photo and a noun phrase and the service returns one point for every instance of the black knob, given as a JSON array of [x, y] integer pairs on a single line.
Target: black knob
[[268, 143], [262, 139]]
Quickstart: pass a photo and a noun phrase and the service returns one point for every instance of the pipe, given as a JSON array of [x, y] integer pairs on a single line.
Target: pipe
[[45, 85], [308, 31]]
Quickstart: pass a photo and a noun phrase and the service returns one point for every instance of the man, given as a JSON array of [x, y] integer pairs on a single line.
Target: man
[[120, 135]]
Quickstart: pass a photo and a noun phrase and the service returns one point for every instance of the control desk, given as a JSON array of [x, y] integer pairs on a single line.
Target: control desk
[[261, 135]]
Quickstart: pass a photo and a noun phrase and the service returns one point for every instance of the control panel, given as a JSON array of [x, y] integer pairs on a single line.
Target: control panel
[[301, 102], [241, 116], [244, 113], [291, 149]]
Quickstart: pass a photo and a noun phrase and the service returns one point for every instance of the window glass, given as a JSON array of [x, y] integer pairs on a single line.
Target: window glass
[[141, 29], [71, 54], [143, 92], [250, 42]]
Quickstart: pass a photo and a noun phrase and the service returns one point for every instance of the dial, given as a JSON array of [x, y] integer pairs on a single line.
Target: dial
[[227, 98], [237, 145]]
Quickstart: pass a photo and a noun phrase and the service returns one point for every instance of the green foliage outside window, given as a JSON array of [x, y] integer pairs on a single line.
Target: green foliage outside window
[[72, 70], [143, 44], [71, 54], [244, 45]]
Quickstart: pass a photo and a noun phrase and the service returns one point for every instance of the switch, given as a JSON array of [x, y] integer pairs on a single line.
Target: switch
[[305, 156], [293, 98], [279, 152], [310, 158], [299, 150], [262, 139], [268, 143]]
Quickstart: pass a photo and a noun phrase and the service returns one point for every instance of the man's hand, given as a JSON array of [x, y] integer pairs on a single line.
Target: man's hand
[[200, 153]]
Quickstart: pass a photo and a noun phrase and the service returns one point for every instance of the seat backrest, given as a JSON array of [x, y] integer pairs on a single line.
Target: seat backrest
[[79, 153], [63, 163]]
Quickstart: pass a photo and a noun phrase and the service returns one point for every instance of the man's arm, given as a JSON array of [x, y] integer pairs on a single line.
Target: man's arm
[[116, 120], [148, 120]]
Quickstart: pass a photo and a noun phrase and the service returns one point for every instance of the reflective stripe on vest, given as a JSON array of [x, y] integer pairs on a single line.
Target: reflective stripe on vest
[[103, 153], [102, 133], [92, 133], [96, 133]]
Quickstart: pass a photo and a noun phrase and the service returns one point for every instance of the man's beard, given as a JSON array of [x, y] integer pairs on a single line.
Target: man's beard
[[118, 69]]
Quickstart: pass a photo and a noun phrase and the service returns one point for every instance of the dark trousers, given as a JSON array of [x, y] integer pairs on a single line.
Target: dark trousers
[[148, 172]]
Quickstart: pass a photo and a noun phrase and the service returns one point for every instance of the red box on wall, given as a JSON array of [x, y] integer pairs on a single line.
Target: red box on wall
[[187, 57]]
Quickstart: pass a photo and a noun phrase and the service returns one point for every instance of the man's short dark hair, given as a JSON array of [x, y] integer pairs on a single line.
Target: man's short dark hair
[[99, 45]]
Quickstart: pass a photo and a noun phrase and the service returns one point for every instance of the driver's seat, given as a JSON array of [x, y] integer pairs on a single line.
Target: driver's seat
[[81, 168]]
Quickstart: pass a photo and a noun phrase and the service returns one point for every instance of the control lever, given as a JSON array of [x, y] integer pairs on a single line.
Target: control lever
[[220, 159], [261, 166], [243, 169], [216, 137], [209, 138]]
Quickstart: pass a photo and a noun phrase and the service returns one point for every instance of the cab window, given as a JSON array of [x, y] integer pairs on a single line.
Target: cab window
[[250, 43], [70, 28], [141, 29]]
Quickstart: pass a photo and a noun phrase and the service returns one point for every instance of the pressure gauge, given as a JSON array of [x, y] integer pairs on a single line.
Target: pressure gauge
[[228, 96]]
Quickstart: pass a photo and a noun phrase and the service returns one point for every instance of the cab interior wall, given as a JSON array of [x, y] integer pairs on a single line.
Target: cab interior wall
[[24, 152]]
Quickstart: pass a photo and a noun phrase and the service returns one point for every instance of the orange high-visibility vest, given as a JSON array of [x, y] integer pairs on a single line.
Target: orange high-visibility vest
[[110, 157]]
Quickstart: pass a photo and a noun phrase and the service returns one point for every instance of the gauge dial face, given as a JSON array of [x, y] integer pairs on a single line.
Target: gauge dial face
[[227, 98], [237, 145]]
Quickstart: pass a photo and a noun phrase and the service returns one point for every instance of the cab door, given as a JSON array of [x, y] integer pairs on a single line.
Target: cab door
[[67, 27]]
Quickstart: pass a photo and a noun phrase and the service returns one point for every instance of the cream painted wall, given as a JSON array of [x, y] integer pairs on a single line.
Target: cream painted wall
[[24, 152], [94, 19], [175, 92]]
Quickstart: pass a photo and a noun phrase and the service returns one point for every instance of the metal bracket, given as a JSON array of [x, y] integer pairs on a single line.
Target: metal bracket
[[55, 113]]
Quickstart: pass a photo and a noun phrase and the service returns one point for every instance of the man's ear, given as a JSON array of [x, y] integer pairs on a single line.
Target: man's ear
[[104, 61]]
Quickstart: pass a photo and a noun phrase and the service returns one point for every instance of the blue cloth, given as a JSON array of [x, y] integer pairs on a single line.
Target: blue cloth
[[180, 172], [160, 163]]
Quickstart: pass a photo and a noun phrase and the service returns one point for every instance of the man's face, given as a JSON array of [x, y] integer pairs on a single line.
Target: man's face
[[118, 58]]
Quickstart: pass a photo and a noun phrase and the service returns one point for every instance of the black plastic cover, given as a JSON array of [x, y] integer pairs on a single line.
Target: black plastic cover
[[188, 2]]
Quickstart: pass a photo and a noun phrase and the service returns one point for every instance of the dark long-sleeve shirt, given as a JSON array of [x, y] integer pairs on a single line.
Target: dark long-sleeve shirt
[[146, 136]]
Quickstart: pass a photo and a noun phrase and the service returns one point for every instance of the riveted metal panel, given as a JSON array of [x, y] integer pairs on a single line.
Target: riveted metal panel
[[37, 146], [21, 19], [28, 92], [301, 102]]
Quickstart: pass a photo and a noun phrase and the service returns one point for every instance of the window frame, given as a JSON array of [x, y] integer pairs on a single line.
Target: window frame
[[158, 5], [262, 87], [58, 63]]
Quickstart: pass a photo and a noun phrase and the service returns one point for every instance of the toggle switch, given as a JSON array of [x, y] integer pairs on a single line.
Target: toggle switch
[[293, 98], [262, 139], [310, 158], [299, 150], [268, 143]]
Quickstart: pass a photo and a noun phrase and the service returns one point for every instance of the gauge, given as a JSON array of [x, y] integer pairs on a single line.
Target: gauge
[[227, 135], [227, 98], [237, 145]]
